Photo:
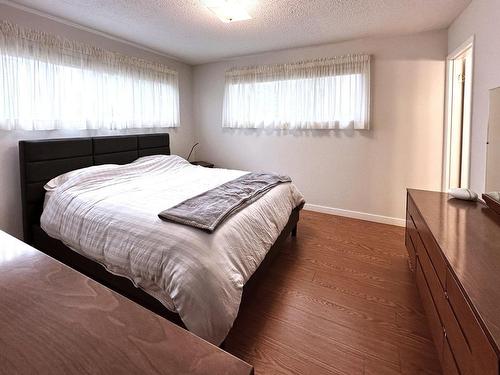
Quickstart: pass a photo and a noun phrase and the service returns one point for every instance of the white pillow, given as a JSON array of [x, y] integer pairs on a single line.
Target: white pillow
[[61, 179]]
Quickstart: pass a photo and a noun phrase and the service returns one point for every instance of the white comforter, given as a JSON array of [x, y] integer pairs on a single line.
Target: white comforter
[[110, 214]]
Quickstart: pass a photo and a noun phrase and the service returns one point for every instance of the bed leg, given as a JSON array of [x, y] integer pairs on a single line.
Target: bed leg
[[294, 231]]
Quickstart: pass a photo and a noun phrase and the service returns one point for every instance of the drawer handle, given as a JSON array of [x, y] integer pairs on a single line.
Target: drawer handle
[[446, 295]]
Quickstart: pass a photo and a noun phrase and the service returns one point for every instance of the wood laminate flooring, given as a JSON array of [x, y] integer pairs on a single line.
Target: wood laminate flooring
[[339, 299]]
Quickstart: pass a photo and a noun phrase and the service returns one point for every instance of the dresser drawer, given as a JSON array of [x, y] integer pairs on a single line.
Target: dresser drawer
[[435, 287], [456, 340], [435, 254], [413, 212], [410, 229], [449, 363], [482, 356], [433, 318], [428, 241]]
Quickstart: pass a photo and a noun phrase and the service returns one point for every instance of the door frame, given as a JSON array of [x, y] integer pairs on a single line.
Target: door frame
[[468, 44]]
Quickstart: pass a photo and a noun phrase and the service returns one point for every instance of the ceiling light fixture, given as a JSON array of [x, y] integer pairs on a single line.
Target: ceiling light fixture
[[228, 10]]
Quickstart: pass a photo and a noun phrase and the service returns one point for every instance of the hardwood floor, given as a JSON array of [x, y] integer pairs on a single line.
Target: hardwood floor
[[339, 299]]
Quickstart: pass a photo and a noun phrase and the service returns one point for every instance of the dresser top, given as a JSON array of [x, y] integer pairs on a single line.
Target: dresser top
[[468, 234], [54, 320]]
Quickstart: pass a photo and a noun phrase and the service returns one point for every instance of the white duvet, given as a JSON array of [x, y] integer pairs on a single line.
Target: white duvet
[[109, 213]]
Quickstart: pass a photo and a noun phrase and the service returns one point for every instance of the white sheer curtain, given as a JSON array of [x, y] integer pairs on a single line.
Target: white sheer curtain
[[47, 82], [321, 94]]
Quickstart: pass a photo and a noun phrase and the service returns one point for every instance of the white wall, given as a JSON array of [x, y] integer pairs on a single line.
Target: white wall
[[365, 171], [181, 138], [481, 19]]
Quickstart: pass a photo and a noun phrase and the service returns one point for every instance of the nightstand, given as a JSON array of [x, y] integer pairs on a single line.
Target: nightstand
[[202, 164]]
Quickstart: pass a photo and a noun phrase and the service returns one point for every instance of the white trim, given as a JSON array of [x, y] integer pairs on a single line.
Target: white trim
[[355, 214], [461, 48], [88, 29]]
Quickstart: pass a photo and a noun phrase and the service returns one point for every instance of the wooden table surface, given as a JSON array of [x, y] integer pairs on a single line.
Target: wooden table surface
[[54, 320]]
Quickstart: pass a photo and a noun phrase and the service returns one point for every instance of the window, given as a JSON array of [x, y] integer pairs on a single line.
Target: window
[[49, 83], [322, 94]]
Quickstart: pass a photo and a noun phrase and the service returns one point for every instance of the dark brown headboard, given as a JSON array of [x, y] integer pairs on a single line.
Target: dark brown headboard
[[41, 160]]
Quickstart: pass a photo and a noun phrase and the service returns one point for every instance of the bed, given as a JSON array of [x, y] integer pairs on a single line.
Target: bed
[[42, 160]]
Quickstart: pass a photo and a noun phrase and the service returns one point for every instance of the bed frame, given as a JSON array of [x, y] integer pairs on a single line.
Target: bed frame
[[42, 160]]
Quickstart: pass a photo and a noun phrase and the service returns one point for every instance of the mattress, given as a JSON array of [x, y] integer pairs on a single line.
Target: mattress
[[109, 214]]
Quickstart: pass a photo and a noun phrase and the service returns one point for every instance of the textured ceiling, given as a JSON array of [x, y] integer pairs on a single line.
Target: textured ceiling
[[188, 31]]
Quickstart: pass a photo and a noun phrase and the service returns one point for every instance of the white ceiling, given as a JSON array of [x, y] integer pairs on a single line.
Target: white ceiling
[[190, 32]]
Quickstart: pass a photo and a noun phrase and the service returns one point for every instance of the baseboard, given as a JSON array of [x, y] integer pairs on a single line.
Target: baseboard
[[355, 215]]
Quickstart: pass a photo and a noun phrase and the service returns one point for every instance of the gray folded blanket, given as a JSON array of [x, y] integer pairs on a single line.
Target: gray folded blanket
[[211, 208]]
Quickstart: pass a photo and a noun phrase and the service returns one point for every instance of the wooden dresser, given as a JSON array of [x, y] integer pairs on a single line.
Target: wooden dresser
[[54, 320], [454, 249]]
